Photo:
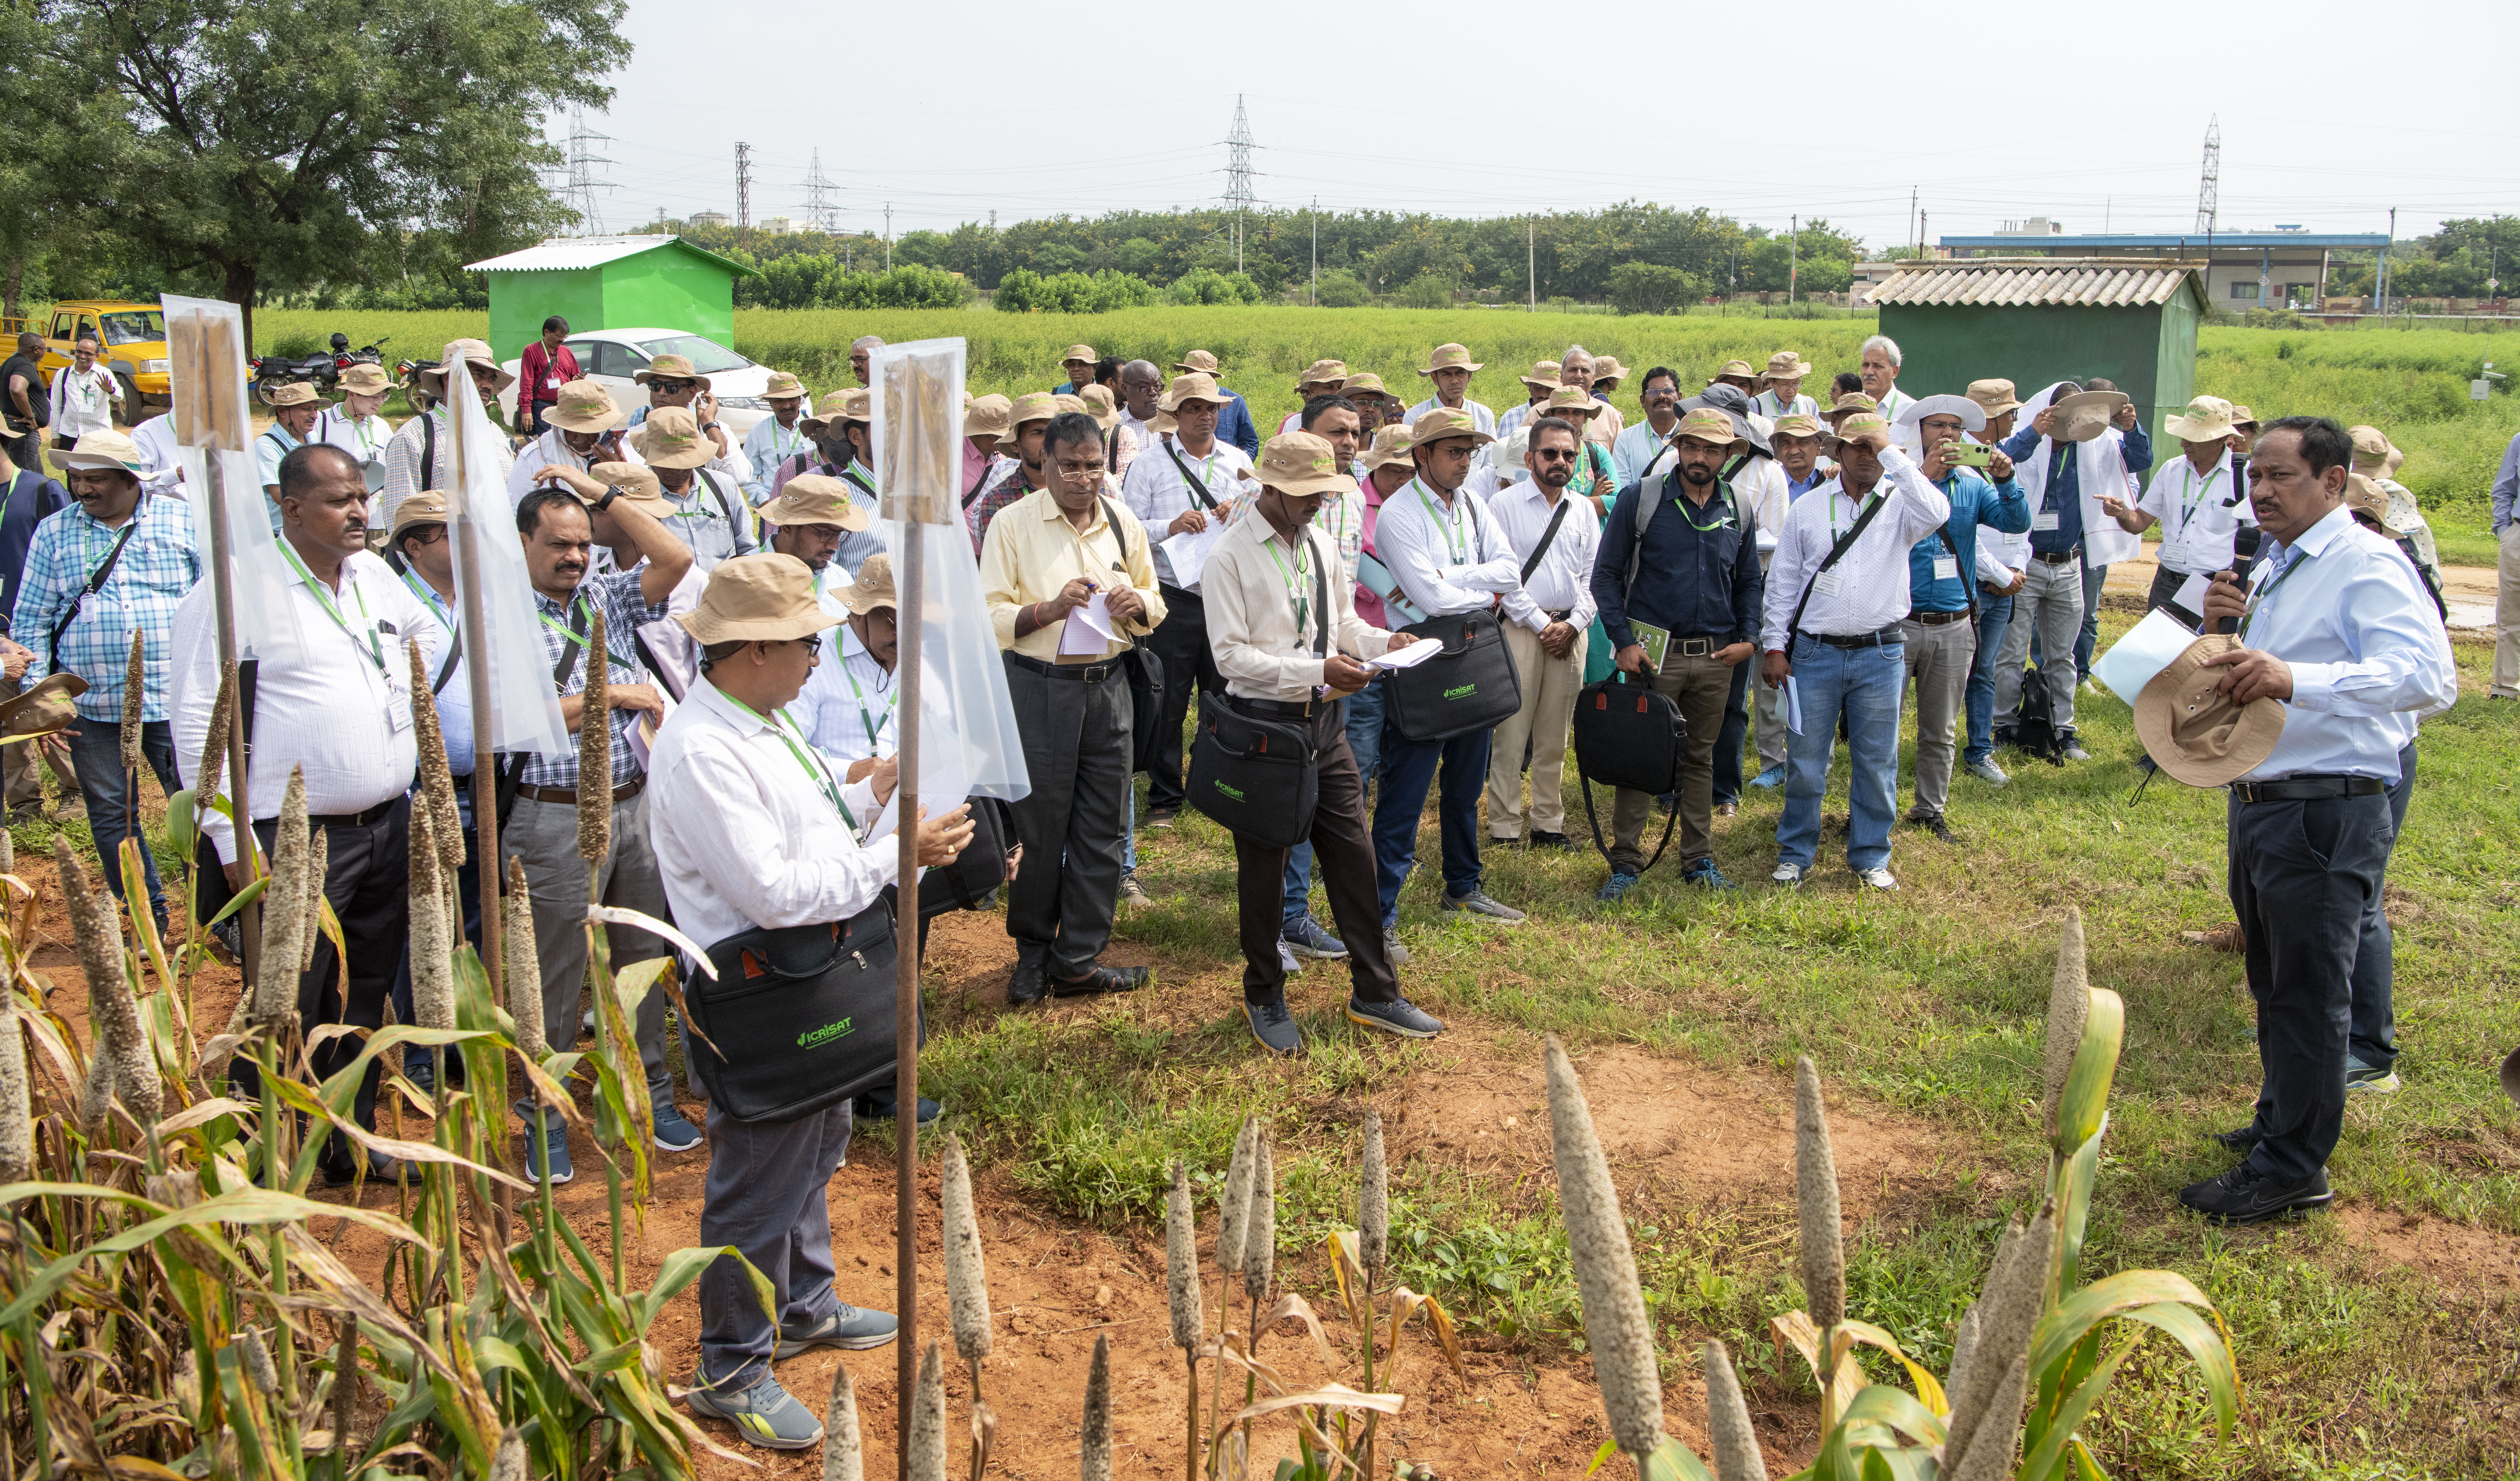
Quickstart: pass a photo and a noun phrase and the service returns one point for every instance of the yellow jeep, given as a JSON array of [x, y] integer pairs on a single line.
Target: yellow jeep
[[134, 335]]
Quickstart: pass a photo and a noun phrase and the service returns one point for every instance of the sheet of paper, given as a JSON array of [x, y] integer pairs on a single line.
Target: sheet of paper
[[2145, 651], [944, 778], [1089, 627], [642, 731], [1188, 551], [1794, 707], [2191, 594], [1407, 657]]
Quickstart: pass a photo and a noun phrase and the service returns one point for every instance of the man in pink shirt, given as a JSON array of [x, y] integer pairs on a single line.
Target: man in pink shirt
[[547, 365]]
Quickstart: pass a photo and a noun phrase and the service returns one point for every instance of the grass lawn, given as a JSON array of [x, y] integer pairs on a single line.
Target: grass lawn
[[2376, 1340]]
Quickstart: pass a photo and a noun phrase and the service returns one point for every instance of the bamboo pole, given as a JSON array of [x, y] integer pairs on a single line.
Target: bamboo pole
[[905, 1086]]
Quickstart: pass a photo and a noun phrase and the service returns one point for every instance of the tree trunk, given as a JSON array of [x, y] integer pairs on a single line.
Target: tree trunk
[[239, 291], [10, 289]]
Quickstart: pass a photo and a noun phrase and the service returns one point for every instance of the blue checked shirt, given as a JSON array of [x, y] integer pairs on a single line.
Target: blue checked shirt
[[148, 583], [624, 610]]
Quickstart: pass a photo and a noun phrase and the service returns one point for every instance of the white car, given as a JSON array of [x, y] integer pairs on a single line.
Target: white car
[[611, 356]]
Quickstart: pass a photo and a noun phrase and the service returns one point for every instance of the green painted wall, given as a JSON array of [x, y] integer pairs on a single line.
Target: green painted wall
[[2151, 352], [520, 303], [667, 288]]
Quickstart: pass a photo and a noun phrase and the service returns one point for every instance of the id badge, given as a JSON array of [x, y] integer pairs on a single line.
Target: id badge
[[1825, 584], [397, 708], [1946, 568], [2044, 520]]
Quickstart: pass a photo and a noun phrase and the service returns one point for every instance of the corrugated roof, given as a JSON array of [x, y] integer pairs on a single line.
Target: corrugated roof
[[568, 253], [2029, 282]]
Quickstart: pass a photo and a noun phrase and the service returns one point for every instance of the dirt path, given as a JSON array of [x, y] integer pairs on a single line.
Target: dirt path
[[2468, 590]]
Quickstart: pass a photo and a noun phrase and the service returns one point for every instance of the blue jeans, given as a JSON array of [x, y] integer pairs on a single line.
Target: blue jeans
[[96, 749], [1994, 616], [1408, 770], [1868, 682], [2372, 1034], [1364, 743], [2094, 578]]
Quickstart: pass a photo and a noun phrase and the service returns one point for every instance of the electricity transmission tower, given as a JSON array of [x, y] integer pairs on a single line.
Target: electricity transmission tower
[[1238, 176], [582, 184], [743, 186], [821, 208], [2210, 184]]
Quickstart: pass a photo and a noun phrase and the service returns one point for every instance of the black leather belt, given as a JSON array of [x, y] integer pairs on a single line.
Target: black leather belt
[[1937, 619], [1558, 613], [1694, 647], [2056, 557], [562, 796], [1881, 636], [352, 819], [2313, 788], [1089, 673], [1280, 709]]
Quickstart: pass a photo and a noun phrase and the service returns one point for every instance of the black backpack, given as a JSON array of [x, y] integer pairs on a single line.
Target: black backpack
[[2034, 720]]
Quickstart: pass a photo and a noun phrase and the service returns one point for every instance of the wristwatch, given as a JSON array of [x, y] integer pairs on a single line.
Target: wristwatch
[[611, 491]]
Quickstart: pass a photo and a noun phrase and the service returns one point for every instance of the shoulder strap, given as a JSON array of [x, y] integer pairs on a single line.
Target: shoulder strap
[[979, 483], [95, 580], [1650, 493], [512, 770], [1321, 597], [453, 654], [1968, 579], [1646, 471], [723, 507], [427, 452], [1548, 538], [1120, 532], [1197, 490], [1837, 553]]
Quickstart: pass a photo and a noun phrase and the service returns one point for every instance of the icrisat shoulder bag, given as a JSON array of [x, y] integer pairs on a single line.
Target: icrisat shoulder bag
[[1260, 777], [799, 1018], [1470, 685]]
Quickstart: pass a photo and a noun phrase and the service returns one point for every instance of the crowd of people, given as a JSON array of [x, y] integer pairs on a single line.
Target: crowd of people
[[1401, 598]]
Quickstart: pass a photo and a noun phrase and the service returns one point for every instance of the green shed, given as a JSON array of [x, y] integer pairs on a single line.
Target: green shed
[[609, 282], [2036, 321]]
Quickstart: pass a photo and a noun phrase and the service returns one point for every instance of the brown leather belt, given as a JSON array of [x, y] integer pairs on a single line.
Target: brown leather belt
[[568, 797]]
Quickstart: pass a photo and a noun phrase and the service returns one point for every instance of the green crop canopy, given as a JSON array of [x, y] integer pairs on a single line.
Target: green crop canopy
[[609, 282], [2036, 321]]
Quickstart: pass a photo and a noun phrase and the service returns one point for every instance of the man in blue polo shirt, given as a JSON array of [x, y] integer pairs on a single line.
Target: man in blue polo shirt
[[1942, 584]]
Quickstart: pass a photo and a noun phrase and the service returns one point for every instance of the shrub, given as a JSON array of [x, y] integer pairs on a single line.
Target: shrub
[[1339, 288], [1206, 286], [1026, 291], [1427, 290], [1648, 288]]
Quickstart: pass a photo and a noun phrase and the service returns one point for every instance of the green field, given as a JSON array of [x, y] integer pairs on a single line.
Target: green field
[[2411, 382]]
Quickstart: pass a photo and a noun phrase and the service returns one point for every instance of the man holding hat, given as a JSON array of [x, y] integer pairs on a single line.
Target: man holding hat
[[755, 830], [1536, 387], [541, 830], [1837, 632], [1046, 555], [1287, 660], [1019, 445], [703, 514], [1186, 482], [2198, 501], [1692, 570], [294, 408], [580, 429], [1784, 395], [422, 451], [1451, 368], [1940, 628], [1321, 378], [113, 563], [2000, 571], [778, 439], [1577, 368], [1233, 425], [1447, 555], [2334, 625]]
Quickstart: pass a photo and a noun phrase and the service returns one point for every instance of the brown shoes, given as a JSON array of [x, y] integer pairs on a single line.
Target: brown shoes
[[2227, 937]]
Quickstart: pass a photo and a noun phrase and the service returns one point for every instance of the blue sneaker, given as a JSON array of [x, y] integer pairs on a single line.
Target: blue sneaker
[[1307, 939], [1704, 872], [764, 1414], [851, 1329], [1774, 776], [1274, 1026], [1398, 1017], [1619, 883], [674, 1133], [553, 1144]]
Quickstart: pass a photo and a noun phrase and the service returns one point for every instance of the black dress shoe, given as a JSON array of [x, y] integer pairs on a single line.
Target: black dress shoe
[[1026, 985], [380, 1169], [2241, 1140], [881, 1107], [1550, 841], [1102, 979], [2246, 1195]]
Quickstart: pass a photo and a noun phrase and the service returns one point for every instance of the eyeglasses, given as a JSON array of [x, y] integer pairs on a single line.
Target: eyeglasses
[[1552, 455], [813, 643], [672, 387]]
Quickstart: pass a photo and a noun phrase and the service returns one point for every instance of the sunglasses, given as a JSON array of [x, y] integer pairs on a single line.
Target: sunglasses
[[1552, 455], [672, 387]]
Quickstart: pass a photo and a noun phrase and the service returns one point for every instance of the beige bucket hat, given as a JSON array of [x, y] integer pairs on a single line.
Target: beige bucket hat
[[638, 484], [1853, 425], [1572, 401], [761, 597], [873, 588], [1439, 423], [671, 438], [1031, 406], [1076, 352], [1367, 384], [1390, 445], [365, 380], [1994, 397], [427, 507], [433, 379], [1329, 373], [1102, 406], [585, 406], [986, 416], [782, 386], [2367, 500], [2242, 416], [1301, 465], [1786, 365], [295, 394], [1738, 370], [44, 708], [2208, 419], [1608, 372], [2194, 730], [1198, 360], [103, 450], [815, 498], [1850, 402], [2084, 415], [1451, 357], [1796, 424], [1707, 424], [671, 368], [2372, 450], [1196, 385], [854, 403], [1544, 375]]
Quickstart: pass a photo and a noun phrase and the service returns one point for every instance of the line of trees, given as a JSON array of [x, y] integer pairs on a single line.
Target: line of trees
[[2462, 260]]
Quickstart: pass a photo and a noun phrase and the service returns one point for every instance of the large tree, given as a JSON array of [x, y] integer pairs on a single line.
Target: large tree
[[282, 141]]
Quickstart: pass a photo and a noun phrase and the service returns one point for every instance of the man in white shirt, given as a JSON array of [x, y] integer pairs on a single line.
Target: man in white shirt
[[1575, 368], [294, 408], [776, 439], [354, 427], [709, 514], [846, 710], [83, 393], [581, 428], [331, 700], [1340, 516], [1289, 644], [1784, 395], [2335, 623], [1449, 558], [1646, 448], [1837, 633], [1186, 485], [421, 454], [753, 834], [1142, 393], [1553, 537], [2196, 500], [1451, 368], [165, 467]]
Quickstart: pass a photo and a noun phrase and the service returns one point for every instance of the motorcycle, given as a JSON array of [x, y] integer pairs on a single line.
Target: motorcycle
[[272, 372], [344, 357], [406, 369]]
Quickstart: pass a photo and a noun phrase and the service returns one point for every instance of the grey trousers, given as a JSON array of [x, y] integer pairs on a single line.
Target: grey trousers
[[544, 835], [1769, 705], [2049, 605], [1937, 664], [1076, 740], [767, 1195]]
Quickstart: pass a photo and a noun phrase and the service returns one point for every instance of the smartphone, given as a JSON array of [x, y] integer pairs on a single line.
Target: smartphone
[[1968, 454]]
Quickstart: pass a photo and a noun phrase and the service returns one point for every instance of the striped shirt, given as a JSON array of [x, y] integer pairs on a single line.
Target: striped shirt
[[625, 609], [149, 581]]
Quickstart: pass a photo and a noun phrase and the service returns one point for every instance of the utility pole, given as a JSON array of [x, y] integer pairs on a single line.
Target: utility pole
[[1911, 212], [1793, 256], [887, 235], [743, 186], [2380, 299], [1921, 235], [1316, 216], [1531, 262]]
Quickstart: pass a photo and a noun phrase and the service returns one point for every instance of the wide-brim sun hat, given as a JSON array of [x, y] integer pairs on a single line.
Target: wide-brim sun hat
[[1995, 397], [1608, 372], [1390, 445], [1572, 401], [295, 394], [2208, 419], [671, 438], [2195, 731], [1708, 425], [1076, 354], [1451, 357], [2086, 415], [1544, 375], [473, 350], [106, 450], [1738, 369], [782, 386], [855, 403], [427, 507], [1972, 416], [1193, 385], [815, 498], [1853, 425], [1367, 384], [638, 485], [1786, 365], [1850, 402], [1329, 373], [585, 406], [1436, 424], [873, 587], [1301, 465], [761, 597], [365, 380], [44, 708], [986, 416], [670, 368], [1200, 360], [1031, 406], [1102, 406], [2365, 497]]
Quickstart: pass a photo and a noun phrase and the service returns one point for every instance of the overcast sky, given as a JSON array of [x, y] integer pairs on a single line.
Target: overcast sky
[[2094, 115]]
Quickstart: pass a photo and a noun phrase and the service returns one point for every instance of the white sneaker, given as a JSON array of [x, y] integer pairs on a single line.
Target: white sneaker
[[1287, 959], [1877, 876], [1791, 876]]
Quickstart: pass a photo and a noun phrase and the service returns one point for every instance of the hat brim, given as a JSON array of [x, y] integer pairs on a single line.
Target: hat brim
[[99, 463], [1175, 403], [1997, 411], [1473, 367], [1972, 416], [859, 606], [2186, 430], [780, 513], [1305, 488], [1186, 368], [992, 432], [1479, 438], [2253, 738], [571, 423], [49, 701], [696, 457], [506, 377], [705, 628], [646, 376], [1011, 439]]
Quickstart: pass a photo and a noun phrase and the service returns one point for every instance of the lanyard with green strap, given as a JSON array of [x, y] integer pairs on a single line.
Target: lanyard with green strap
[[376, 649], [1445, 521], [865, 712], [786, 736], [2259, 599], [1294, 579]]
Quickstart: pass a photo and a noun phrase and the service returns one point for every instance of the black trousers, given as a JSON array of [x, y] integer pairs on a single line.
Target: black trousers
[[1344, 845], [1734, 736], [2303, 875], [366, 880], [1181, 643], [1076, 740]]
